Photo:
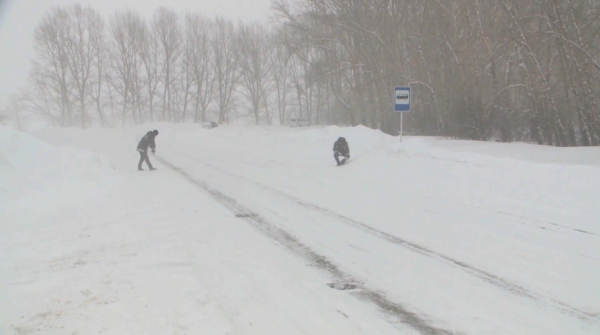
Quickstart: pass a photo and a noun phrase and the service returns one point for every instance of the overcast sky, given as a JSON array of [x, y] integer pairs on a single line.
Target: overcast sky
[[18, 19]]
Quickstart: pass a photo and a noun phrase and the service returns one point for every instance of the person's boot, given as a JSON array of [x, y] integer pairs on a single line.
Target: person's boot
[[152, 168], [140, 168]]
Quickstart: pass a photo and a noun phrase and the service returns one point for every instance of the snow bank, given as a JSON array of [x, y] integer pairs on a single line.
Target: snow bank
[[36, 173], [589, 156]]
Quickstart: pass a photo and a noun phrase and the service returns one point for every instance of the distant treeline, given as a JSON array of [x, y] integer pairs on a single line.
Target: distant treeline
[[506, 70]]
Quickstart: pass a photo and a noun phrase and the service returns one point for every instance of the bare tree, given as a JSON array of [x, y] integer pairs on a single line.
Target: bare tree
[[225, 65], [126, 28], [280, 61], [199, 30], [98, 80], [82, 44], [14, 108], [165, 25], [189, 60], [255, 69], [150, 55], [52, 89]]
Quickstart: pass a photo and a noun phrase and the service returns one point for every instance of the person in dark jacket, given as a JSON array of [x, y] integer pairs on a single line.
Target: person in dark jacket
[[145, 142], [341, 149]]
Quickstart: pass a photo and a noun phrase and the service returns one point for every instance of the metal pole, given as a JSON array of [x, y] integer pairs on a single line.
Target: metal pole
[[401, 125]]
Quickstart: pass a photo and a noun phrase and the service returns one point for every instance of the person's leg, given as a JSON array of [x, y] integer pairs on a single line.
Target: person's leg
[[141, 160], [147, 159], [336, 156]]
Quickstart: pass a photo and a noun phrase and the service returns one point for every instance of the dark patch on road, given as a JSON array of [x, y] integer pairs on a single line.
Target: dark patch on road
[[343, 286], [583, 231], [246, 215]]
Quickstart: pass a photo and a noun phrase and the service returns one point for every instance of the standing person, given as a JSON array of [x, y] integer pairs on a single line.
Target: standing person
[[145, 142], [341, 149]]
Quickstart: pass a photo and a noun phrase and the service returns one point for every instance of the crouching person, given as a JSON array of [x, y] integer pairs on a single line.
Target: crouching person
[[341, 149]]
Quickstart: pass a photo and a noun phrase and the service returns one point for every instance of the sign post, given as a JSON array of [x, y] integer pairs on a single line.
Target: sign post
[[402, 104]]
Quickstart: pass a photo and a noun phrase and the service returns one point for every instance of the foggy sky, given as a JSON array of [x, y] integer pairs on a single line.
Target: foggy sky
[[18, 19]]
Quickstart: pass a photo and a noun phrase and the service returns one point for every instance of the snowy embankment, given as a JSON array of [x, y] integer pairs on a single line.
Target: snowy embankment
[[431, 236], [35, 173], [37, 180]]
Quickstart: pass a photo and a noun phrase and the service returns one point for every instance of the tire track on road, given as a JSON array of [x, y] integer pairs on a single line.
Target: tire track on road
[[486, 276], [396, 310]]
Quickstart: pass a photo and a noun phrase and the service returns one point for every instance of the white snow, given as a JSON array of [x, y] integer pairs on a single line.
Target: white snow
[[461, 237], [37, 174]]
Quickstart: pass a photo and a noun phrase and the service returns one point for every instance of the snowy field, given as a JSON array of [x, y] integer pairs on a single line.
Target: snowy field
[[251, 230]]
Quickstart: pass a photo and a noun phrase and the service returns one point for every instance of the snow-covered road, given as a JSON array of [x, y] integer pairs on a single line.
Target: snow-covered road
[[255, 231]]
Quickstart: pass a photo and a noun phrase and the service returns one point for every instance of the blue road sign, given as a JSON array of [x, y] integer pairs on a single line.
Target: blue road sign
[[402, 99]]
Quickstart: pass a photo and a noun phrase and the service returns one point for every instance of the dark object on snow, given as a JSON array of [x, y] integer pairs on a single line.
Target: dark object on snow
[[341, 149], [343, 286], [145, 142], [209, 125], [344, 161], [246, 215]]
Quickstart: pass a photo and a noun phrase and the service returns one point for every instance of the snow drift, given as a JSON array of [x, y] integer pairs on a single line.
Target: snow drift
[[34, 170]]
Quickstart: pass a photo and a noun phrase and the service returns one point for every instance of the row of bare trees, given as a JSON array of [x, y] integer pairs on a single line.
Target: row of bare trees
[[503, 70], [172, 67], [480, 69]]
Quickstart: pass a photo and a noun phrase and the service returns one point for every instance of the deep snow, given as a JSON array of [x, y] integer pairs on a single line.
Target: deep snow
[[28, 164], [458, 237]]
